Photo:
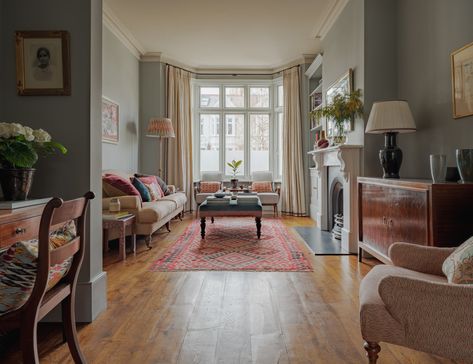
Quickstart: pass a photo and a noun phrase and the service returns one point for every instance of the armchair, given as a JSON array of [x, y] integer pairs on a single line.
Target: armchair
[[214, 178], [267, 198], [412, 304]]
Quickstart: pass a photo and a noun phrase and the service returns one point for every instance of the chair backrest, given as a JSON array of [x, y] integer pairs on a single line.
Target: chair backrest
[[211, 176], [55, 214], [261, 176]]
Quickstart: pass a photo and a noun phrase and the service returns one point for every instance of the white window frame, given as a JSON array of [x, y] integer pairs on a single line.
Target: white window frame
[[273, 110]]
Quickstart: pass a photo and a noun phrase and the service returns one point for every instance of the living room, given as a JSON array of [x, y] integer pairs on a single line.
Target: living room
[[234, 217]]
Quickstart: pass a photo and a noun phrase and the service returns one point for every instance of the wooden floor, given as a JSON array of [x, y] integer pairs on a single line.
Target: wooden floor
[[222, 317]]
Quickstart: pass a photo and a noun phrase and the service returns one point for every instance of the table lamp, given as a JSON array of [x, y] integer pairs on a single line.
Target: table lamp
[[390, 118]]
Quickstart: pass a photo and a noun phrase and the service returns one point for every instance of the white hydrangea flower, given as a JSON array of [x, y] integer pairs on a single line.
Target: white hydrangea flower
[[41, 136], [17, 129], [5, 130], [29, 136]]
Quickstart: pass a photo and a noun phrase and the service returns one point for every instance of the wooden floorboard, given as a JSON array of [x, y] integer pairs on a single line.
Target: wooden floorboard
[[222, 317]]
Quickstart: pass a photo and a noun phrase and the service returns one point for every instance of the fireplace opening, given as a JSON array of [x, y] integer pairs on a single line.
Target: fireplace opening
[[336, 208]]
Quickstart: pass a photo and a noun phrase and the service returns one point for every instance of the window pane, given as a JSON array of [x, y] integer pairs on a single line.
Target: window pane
[[280, 96], [209, 142], [209, 97], [259, 96], [280, 131], [259, 142], [234, 141], [234, 97]]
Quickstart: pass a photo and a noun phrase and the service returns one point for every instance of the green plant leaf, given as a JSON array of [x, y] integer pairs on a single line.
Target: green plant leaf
[[19, 154], [52, 146]]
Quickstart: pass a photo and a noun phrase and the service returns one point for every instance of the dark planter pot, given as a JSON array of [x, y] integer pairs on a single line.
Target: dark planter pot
[[465, 164], [234, 182], [16, 183]]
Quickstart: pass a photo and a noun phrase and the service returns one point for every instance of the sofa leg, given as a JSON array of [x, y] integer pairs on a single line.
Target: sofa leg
[[180, 215], [372, 350], [275, 207], [168, 227], [148, 242]]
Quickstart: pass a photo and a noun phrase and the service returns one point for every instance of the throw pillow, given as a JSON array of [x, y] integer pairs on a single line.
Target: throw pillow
[[156, 189], [145, 196], [262, 186], [114, 185], [161, 183], [458, 267], [18, 267], [209, 187]]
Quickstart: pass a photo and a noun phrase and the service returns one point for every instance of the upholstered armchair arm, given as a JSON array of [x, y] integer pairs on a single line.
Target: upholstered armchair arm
[[126, 202], [424, 259], [172, 188], [436, 317]]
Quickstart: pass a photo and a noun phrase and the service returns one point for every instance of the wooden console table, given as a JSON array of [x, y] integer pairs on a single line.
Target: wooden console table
[[412, 211]]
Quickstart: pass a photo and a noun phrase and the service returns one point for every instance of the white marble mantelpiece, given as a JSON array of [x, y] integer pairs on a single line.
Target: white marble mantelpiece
[[348, 158]]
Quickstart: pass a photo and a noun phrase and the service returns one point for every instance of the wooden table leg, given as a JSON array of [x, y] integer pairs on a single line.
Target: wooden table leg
[[133, 241], [105, 240], [258, 227], [122, 243], [202, 227], [212, 219]]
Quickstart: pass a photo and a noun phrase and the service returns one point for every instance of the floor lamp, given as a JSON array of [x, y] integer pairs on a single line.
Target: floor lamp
[[161, 128]]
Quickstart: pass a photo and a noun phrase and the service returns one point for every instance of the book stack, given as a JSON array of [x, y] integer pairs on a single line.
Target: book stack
[[116, 215]]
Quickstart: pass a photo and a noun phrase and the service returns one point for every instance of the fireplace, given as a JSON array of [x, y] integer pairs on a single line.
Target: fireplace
[[335, 204]]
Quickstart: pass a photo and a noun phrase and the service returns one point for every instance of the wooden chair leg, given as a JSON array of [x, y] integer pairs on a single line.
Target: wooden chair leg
[[168, 227], [69, 322], [372, 350], [275, 208], [28, 340]]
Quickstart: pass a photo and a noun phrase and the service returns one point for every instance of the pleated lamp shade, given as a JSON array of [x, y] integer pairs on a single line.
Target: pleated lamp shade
[[160, 128], [391, 116]]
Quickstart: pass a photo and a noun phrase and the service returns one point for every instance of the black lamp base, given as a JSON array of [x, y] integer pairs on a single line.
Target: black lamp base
[[390, 156]]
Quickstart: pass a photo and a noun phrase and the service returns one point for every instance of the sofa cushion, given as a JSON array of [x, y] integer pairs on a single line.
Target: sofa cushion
[[164, 187], [458, 267], [262, 186], [201, 197], [18, 266], [209, 187], [153, 187], [144, 193], [155, 211], [268, 198], [114, 186], [178, 198]]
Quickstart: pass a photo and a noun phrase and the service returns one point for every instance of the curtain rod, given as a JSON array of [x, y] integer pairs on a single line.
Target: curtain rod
[[233, 74]]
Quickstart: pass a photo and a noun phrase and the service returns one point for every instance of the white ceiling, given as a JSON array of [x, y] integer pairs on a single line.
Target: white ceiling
[[225, 34]]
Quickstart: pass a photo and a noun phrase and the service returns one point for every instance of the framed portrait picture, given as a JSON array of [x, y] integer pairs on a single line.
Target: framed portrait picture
[[462, 81], [344, 85], [110, 121], [43, 63]]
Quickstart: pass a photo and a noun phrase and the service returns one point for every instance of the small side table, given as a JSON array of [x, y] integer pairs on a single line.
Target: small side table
[[121, 225]]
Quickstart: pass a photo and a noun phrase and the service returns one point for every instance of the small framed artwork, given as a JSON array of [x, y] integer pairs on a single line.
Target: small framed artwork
[[462, 81], [344, 85], [110, 121], [43, 63]]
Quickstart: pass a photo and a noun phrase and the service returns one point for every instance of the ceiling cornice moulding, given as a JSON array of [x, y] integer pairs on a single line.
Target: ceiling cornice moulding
[[330, 17], [111, 21]]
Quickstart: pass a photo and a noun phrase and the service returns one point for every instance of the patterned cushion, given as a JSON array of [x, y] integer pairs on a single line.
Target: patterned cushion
[[458, 267], [18, 268], [160, 181], [262, 186], [145, 196], [153, 187], [114, 186], [209, 187]]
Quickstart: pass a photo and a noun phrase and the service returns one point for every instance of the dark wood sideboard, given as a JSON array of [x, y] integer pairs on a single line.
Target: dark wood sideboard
[[412, 211]]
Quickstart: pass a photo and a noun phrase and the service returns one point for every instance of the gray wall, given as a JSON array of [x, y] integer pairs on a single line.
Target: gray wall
[[428, 31], [121, 84], [73, 120], [343, 48], [152, 103]]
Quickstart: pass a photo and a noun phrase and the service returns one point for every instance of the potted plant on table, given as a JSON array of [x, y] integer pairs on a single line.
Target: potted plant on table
[[20, 148], [234, 165], [341, 110]]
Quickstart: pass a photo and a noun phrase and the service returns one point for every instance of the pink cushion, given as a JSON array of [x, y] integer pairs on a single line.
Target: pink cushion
[[262, 187], [209, 187], [153, 187], [114, 185]]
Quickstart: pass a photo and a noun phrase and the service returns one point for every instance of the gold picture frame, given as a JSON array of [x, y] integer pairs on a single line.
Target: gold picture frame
[[462, 81], [344, 85], [43, 63]]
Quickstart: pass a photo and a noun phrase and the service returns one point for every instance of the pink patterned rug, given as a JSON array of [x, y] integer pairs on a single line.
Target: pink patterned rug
[[231, 245]]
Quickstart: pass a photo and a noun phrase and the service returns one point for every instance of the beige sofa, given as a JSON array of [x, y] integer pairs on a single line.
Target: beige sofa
[[150, 216]]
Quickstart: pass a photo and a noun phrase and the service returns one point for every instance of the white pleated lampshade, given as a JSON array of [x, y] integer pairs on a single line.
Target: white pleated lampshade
[[391, 116], [160, 128]]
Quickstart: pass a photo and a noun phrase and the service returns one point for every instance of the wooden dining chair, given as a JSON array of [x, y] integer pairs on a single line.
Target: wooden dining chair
[[41, 301]]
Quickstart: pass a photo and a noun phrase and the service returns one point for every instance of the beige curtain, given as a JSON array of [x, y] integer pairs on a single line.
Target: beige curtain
[[178, 166], [292, 189]]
